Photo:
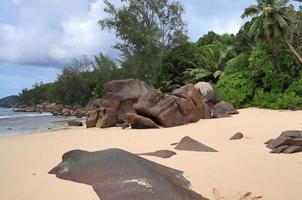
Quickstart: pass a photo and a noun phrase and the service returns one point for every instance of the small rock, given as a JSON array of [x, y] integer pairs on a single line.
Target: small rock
[[189, 144], [161, 154], [74, 123], [237, 136], [174, 144]]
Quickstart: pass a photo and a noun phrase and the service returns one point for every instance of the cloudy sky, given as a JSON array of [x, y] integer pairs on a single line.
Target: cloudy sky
[[38, 36]]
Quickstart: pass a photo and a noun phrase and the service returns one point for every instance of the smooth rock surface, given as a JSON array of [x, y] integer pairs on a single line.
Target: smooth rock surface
[[115, 174]]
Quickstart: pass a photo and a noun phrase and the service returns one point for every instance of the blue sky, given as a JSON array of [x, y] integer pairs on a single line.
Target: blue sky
[[38, 37]]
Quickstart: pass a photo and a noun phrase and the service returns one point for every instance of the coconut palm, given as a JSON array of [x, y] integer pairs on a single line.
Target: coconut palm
[[271, 21]]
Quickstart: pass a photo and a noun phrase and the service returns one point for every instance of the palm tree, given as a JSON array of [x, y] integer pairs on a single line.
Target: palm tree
[[271, 21]]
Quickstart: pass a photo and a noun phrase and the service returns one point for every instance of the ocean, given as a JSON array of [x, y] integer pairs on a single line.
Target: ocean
[[15, 123]]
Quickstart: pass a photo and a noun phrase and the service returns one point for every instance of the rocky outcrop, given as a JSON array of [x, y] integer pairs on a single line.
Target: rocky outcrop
[[288, 142], [161, 154], [210, 97], [224, 109], [92, 118], [55, 109], [118, 100], [136, 103], [107, 118], [182, 107], [139, 122]]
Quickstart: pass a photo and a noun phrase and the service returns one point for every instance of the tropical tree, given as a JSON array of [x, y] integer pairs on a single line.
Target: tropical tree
[[146, 29], [271, 22], [210, 63]]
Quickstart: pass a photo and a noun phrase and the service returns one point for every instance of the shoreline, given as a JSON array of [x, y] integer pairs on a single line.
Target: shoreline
[[239, 166]]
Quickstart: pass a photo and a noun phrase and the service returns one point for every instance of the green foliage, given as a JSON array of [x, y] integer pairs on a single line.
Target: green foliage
[[8, 102], [277, 100], [234, 85], [147, 29]]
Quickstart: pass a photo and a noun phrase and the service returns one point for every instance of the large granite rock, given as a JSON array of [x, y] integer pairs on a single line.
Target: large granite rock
[[224, 109], [139, 122], [119, 98], [107, 118], [115, 174], [92, 118], [288, 142], [210, 97], [182, 107]]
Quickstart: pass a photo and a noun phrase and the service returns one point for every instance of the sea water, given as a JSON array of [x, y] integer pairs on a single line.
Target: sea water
[[14, 123]]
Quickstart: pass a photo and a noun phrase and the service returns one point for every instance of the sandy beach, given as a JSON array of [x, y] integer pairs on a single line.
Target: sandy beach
[[239, 166]]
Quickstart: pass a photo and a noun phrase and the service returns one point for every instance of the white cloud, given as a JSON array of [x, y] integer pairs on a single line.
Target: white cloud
[[51, 33]]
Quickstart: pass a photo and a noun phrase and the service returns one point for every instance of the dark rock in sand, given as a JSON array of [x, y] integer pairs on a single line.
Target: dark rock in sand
[[292, 134], [92, 118], [293, 149], [140, 122], [160, 153], [189, 144], [280, 141], [224, 109], [119, 175], [107, 118], [174, 144], [74, 123], [237, 136], [288, 142], [279, 149]]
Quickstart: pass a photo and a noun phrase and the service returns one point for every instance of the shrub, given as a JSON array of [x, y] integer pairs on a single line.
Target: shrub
[[288, 100]]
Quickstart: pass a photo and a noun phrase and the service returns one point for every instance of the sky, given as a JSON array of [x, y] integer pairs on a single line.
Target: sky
[[38, 37]]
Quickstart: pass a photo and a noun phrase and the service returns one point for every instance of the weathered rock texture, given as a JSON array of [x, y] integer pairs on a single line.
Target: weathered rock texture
[[288, 142], [160, 153], [115, 174], [189, 144], [136, 103]]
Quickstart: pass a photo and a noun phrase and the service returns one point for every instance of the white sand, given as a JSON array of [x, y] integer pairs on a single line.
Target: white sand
[[239, 166]]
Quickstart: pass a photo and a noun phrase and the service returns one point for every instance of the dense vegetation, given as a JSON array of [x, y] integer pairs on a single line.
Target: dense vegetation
[[259, 66], [9, 101]]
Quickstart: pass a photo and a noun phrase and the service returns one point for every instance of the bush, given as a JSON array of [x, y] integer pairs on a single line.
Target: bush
[[288, 100], [234, 85], [235, 88]]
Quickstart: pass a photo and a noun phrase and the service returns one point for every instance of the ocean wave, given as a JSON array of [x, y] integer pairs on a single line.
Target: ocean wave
[[24, 115]]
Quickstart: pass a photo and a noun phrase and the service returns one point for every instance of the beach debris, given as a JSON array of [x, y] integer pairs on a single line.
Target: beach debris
[[240, 196], [139, 122], [237, 136], [161, 153], [189, 144], [224, 109], [74, 123], [116, 174], [107, 118], [288, 142]]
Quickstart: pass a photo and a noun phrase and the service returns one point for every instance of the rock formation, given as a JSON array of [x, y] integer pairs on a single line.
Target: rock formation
[[189, 144], [288, 142], [115, 174], [136, 103]]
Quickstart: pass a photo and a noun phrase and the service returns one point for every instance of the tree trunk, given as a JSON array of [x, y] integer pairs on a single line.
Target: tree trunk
[[293, 50]]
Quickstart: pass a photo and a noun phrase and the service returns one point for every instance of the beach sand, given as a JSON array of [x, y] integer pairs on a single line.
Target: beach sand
[[239, 166]]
